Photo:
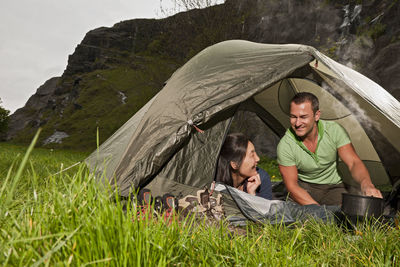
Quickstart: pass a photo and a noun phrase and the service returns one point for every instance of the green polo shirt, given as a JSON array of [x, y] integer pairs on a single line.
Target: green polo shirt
[[319, 167]]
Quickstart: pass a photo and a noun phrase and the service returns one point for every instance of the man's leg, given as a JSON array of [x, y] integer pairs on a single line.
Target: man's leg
[[334, 195], [316, 191], [325, 194]]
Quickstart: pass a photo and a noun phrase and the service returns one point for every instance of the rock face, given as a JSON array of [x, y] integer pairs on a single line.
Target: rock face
[[384, 69], [104, 46], [31, 115], [57, 138], [115, 71]]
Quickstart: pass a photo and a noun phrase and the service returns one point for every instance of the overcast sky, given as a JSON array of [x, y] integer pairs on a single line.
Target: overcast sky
[[38, 35]]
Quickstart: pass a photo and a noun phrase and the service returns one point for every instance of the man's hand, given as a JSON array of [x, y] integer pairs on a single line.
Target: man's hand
[[253, 183], [368, 189]]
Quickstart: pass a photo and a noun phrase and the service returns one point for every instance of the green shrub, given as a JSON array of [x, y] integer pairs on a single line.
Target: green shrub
[[4, 118]]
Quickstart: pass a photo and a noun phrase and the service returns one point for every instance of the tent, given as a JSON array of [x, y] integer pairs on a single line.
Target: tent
[[162, 147]]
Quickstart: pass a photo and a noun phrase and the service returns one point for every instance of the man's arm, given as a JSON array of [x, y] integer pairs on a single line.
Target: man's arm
[[358, 170], [298, 194]]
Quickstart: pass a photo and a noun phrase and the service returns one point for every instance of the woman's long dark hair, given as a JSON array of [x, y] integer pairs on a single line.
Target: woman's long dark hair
[[234, 149]]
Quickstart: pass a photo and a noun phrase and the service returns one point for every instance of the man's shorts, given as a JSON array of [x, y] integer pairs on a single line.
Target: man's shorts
[[327, 194]]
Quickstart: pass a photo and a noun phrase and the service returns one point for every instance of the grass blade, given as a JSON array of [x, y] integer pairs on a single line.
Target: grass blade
[[17, 176]]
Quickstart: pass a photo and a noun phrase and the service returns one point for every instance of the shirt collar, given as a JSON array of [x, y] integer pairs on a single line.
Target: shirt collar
[[299, 142]]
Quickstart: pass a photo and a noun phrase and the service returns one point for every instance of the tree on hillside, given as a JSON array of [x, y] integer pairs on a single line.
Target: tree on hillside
[[4, 118]]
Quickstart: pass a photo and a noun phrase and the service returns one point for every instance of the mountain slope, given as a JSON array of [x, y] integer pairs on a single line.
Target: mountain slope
[[114, 71]]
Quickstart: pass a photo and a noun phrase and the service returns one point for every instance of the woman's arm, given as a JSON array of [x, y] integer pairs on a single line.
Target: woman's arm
[[265, 189], [252, 184]]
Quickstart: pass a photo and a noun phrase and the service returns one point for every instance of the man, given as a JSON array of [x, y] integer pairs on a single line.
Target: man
[[307, 156]]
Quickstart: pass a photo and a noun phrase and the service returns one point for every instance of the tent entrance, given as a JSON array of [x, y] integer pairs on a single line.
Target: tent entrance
[[276, 100]]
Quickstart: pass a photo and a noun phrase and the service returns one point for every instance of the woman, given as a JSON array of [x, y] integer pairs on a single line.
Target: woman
[[237, 167]]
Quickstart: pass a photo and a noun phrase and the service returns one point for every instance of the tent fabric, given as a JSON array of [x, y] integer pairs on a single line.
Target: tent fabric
[[211, 82], [160, 148], [112, 150]]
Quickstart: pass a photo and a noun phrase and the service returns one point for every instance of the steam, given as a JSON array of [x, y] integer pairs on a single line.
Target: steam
[[351, 103]]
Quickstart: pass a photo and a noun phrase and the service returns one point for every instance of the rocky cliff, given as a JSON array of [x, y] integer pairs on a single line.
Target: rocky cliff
[[114, 71]]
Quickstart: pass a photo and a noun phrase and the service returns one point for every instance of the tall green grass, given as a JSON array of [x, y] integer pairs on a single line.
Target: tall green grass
[[68, 219]]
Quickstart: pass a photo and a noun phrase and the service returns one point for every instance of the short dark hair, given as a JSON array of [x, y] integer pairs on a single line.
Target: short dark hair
[[302, 97], [234, 149]]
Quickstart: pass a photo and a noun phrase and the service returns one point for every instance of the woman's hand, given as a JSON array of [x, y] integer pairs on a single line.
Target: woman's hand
[[253, 183]]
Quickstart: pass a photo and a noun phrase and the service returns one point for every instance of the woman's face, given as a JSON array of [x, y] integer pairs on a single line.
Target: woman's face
[[249, 164]]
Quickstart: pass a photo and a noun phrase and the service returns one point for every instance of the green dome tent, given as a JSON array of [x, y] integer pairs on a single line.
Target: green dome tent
[[160, 147]]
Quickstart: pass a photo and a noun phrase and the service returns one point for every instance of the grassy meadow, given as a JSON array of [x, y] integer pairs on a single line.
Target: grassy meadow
[[49, 218]]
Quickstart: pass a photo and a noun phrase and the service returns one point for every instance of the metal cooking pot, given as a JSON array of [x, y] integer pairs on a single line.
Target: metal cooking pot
[[365, 206]]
